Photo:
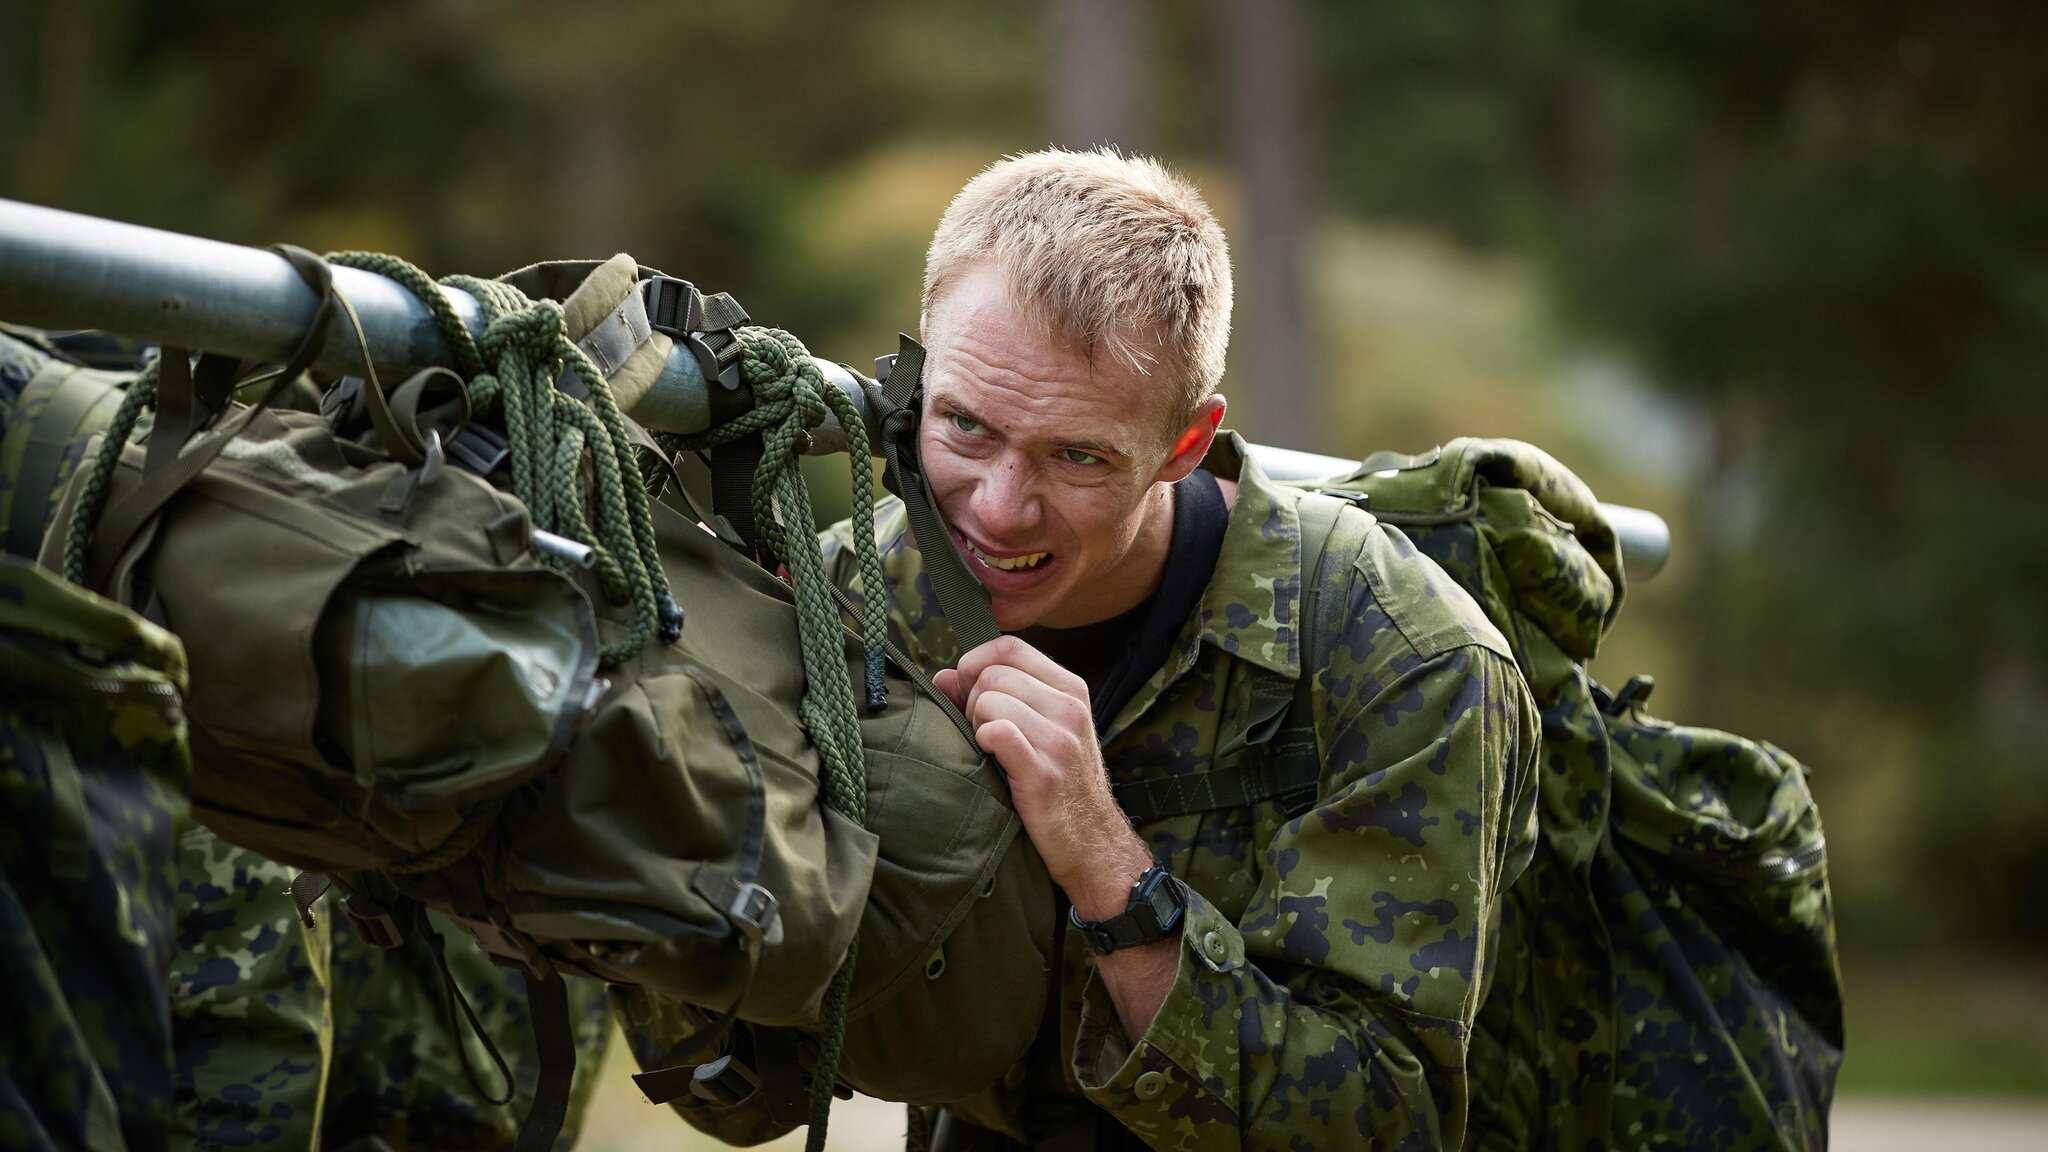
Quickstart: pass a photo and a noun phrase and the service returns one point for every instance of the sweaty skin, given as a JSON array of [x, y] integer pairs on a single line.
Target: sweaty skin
[[1054, 470]]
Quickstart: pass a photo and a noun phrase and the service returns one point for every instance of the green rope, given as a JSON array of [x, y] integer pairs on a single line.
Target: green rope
[[554, 437], [791, 397], [524, 348], [92, 494]]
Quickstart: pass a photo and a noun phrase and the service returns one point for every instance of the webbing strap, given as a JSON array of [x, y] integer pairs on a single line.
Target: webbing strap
[[611, 343], [732, 491], [125, 518], [50, 434], [547, 1001], [1287, 764], [962, 599], [746, 905]]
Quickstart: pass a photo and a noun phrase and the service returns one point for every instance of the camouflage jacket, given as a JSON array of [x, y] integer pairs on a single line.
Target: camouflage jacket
[[1331, 963], [93, 771]]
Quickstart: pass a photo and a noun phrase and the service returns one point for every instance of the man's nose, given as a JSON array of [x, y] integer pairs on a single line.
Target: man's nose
[[1006, 502]]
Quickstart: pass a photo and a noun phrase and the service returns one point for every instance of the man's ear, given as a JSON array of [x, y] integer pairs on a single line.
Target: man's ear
[[1193, 442]]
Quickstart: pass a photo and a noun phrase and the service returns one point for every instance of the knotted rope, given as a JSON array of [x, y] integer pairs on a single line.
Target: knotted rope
[[525, 346]]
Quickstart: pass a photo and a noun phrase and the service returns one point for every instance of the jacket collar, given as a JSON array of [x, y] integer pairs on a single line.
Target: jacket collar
[[1251, 606]]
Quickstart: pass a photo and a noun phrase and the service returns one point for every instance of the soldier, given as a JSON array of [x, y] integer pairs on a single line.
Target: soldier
[[1283, 797], [93, 772]]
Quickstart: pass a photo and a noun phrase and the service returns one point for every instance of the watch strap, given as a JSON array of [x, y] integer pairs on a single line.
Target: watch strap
[[1153, 912]]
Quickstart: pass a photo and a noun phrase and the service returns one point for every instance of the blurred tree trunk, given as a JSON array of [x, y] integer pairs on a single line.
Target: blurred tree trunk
[[1262, 60], [1091, 98]]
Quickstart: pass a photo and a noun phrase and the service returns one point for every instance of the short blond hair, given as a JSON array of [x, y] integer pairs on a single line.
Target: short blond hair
[[1108, 252]]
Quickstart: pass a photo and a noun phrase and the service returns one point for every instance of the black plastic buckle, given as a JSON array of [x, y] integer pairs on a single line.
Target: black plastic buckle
[[1633, 694], [754, 911], [724, 1081], [718, 361], [479, 449], [668, 304], [374, 923]]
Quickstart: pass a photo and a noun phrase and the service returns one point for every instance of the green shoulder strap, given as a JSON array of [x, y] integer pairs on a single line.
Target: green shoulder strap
[[1288, 765], [81, 402]]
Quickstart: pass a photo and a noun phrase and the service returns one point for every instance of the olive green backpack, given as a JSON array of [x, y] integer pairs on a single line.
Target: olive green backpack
[[445, 650], [1667, 969]]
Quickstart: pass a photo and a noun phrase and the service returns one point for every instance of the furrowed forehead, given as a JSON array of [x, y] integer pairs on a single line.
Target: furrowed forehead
[[1000, 364]]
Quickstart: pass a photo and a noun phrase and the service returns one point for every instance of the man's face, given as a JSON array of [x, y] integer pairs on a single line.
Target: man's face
[[1047, 466]]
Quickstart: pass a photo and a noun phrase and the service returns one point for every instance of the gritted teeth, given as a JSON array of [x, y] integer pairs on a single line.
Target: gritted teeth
[[1013, 564]]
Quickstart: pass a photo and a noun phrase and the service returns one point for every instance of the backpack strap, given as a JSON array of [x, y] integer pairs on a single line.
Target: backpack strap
[[75, 394], [898, 404], [1284, 761]]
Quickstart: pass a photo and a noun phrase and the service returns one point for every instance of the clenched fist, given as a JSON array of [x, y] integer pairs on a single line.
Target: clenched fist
[[1034, 717]]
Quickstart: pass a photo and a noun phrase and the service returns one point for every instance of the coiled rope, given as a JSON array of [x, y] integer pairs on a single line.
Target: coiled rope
[[790, 398]]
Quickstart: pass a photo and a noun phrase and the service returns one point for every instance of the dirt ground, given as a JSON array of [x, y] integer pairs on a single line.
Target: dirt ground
[[622, 1122]]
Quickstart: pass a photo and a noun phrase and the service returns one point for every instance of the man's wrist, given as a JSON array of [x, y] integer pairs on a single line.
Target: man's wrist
[[1106, 890]]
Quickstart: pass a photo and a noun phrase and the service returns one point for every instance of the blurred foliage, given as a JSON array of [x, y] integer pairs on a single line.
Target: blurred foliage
[[1776, 272], [1822, 221]]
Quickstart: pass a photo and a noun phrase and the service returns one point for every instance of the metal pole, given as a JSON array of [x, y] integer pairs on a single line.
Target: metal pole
[[64, 270]]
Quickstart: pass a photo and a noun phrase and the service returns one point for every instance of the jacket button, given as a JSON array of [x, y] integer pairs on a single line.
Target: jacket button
[[1213, 944], [1149, 1085]]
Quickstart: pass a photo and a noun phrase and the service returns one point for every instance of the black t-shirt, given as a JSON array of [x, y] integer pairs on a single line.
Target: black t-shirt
[[1116, 656]]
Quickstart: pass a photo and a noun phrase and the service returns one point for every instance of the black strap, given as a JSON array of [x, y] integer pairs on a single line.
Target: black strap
[[962, 599], [1285, 765], [733, 465], [785, 1088], [547, 1001], [452, 998]]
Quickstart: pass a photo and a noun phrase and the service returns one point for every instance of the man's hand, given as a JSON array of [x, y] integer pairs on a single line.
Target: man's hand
[[1034, 717]]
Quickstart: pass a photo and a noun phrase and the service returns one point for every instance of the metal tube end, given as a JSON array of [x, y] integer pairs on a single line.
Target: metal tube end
[[563, 548]]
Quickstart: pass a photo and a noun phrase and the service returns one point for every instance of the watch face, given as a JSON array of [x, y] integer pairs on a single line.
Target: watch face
[[1164, 902]]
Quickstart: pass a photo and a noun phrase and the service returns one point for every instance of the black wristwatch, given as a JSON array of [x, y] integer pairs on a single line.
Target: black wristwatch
[[1153, 913]]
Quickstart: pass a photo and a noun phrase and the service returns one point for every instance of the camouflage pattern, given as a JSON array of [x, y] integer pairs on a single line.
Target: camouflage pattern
[[30, 379], [1667, 971], [287, 1033], [1332, 961], [93, 770]]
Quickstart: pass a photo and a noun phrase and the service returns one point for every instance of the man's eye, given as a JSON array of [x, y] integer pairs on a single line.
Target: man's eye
[[1076, 456], [966, 424]]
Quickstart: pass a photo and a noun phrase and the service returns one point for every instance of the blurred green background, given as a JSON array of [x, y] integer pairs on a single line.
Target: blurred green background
[[1779, 273]]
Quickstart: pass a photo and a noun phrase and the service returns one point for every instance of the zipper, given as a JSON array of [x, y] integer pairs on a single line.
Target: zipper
[[65, 676]]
